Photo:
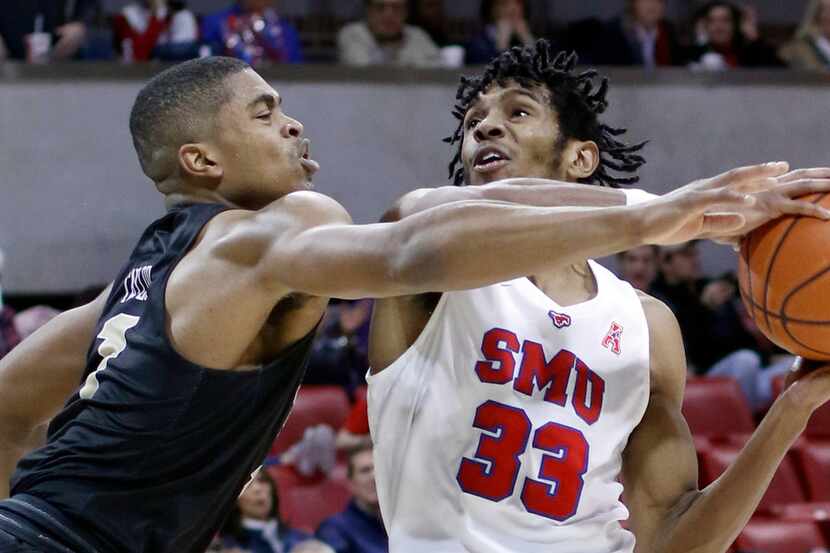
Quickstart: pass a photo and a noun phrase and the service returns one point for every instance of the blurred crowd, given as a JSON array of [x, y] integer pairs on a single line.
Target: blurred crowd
[[416, 33]]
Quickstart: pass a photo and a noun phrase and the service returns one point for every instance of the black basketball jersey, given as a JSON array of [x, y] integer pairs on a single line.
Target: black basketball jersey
[[152, 451]]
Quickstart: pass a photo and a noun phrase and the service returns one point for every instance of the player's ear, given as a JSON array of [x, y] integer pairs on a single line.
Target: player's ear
[[581, 159], [197, 160]]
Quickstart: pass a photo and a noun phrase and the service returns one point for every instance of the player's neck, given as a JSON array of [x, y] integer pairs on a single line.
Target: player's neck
[[567, 285], [201, 197]]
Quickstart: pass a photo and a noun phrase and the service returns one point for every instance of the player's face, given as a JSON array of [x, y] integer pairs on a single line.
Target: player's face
[[262, 151], [255, 501], [510, 132], [362, 482], [719, 26], [639, 267], [648, 12]]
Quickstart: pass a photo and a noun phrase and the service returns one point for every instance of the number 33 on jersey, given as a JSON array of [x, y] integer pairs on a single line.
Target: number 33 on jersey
[[500, 430]]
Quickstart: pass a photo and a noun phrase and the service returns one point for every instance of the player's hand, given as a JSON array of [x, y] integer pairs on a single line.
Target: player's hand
[[779, 196], [717, 206], [808, 385]]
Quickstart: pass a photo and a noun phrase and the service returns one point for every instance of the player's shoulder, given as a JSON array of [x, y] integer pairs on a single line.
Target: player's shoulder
[[309, 207], [667, 357]]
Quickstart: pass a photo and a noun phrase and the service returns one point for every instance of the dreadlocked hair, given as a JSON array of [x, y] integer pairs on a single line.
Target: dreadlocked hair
[[575, 97]]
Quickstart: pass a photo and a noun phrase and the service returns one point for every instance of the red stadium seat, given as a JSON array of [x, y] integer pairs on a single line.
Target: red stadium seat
[[716, 407], [775, 536], [314, 405], [814, 459], [819, 425], [306, 502], [784, 488]]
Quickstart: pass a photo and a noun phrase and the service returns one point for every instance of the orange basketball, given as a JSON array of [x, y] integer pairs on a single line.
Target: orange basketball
[[784, 277]]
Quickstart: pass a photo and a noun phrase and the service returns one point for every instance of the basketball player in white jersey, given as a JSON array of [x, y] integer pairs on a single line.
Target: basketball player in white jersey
[[504, 416]]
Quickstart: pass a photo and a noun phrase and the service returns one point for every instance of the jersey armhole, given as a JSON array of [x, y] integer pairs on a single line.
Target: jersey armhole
[[386, 374]]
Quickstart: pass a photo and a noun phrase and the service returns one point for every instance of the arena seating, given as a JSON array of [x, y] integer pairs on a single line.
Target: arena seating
[[314, 405], [814, 461], [305, 502], [777, 536], [723, 393]]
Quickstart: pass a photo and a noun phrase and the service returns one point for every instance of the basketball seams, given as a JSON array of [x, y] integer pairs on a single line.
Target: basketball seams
[[773, 258]]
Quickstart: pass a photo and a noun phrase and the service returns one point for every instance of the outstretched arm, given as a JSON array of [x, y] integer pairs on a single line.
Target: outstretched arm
[[38, 376], [669, 513], [305, 242]]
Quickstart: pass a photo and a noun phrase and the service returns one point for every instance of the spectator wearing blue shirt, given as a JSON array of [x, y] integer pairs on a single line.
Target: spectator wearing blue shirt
[[359, 528], [254, 525], [252, 30]]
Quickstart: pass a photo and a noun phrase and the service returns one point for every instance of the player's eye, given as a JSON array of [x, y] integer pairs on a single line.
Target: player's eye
[[264, 116], [473, 123], [520, 113]]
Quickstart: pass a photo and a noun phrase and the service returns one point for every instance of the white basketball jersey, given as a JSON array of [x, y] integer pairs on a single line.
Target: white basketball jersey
[[501, 429]]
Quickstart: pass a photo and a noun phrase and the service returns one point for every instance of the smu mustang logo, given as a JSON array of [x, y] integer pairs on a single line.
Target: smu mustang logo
[[560, 320], [612, 339]]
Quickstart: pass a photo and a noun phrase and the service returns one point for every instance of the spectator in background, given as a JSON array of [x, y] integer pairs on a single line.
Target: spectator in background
[[384, 38], [8, 333], [28, 321], [47, 30], [339, 355], [505, 25], [641, 36], [715, 334], [429, 16], [730, 38], [359, 528], [355, 431], [810, 49], [156, 29], [254, 525], [252, 30], [312, 546], [638, 266]]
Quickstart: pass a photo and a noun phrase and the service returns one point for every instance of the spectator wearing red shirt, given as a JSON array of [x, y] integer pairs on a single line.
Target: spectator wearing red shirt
[[156, 29], [354, 434]]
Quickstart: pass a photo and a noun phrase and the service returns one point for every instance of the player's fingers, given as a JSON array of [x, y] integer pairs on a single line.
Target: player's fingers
[[722, 223], [802, 187], [749, 172], [806, 173], [807, 209]]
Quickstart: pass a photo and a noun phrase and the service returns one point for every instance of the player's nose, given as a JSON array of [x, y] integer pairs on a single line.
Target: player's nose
[[490, 127], [292, 128]]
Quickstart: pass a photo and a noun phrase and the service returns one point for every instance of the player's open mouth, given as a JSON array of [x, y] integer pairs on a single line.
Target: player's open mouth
[[309, 165], [489, 159]]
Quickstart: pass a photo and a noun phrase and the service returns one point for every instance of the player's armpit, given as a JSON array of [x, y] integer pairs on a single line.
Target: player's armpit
[[659, 463]]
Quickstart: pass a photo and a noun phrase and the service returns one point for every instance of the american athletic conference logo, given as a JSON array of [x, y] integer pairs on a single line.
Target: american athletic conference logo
[[560, 320], [613, 338]]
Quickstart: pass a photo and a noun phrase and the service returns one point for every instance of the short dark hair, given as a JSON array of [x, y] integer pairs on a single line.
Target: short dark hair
[[574, 96], [175, 106], [354, 453], [486, 11], [706, 9]]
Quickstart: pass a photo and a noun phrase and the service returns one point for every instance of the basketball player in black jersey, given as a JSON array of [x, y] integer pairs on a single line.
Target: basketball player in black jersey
[[179, 376]]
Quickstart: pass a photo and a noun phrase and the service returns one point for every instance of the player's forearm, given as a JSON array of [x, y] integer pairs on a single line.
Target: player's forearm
[[472, 244], [522, 191], [725, 506]]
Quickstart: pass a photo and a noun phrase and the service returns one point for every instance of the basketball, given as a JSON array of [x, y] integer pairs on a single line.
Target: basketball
[[784, 276]]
